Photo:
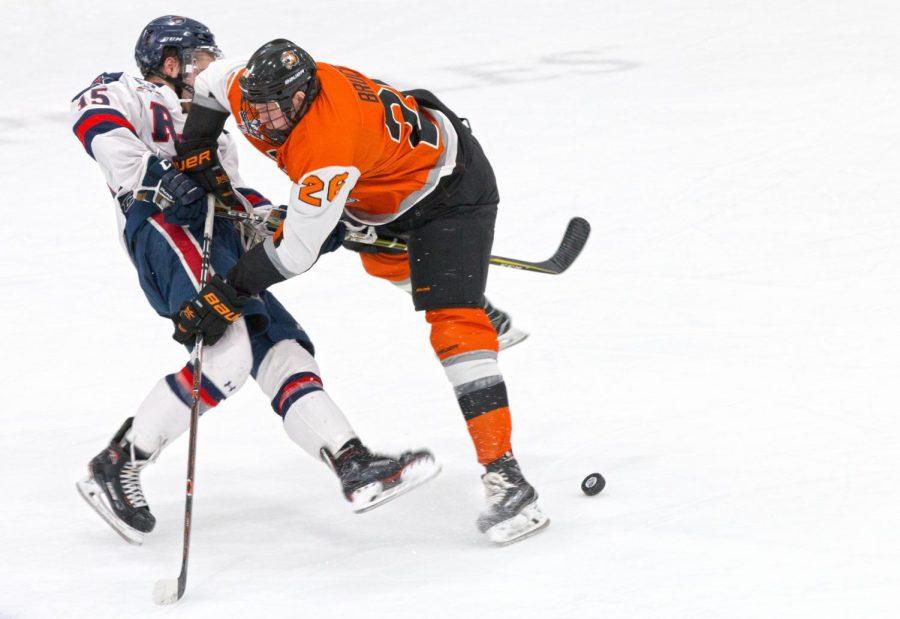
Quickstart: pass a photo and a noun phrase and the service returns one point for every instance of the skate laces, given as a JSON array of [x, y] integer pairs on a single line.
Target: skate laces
[[495, 487], [130, 479], [130, 475], [356, 457]]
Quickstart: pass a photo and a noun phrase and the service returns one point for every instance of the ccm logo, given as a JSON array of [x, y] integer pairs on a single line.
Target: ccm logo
[[194, 161], [220, 308]]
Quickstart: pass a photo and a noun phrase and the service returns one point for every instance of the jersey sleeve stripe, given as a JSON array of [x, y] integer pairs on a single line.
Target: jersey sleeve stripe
[[96, 122], [253, 197]]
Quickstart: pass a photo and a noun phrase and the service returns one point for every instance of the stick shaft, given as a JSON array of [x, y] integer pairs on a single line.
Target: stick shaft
[[195, 404], [570, 246]]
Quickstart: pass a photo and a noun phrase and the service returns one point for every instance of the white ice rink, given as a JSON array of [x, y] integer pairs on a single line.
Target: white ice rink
[[726, 350]]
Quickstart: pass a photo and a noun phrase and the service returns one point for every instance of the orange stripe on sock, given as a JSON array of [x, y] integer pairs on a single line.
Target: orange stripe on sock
[[491, 433], [392, 267], [460, 329]]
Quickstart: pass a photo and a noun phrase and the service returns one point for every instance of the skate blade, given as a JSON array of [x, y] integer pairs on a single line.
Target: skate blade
[[414, 475], [511, 338], [530, 521], [93, 496]]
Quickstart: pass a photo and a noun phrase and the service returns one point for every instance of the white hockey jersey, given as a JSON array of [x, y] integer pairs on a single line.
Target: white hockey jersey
[[122, 121]]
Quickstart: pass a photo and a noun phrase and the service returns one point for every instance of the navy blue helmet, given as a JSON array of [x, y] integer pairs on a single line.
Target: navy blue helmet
[[183, 35]]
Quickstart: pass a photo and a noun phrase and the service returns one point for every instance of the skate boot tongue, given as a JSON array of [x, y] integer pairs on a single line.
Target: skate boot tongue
[[506, 465], [352, 451]]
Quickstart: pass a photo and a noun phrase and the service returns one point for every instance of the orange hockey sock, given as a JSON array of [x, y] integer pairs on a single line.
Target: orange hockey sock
[[466, 343]]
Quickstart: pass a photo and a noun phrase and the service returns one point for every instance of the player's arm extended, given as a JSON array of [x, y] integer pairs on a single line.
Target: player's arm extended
[[315, 208], [197, 152], [209, 107]]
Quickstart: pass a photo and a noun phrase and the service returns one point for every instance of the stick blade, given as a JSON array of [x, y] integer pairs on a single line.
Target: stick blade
[[574, 240], [165, 591]]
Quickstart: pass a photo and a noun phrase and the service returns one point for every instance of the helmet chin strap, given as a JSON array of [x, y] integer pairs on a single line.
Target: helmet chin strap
[[294, 117], [176, 83], [311, 92]]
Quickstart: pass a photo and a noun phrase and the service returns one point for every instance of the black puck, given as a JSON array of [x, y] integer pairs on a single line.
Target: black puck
[[593, 484]]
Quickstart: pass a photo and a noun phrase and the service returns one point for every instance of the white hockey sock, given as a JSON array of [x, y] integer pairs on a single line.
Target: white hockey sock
[[162, 416], [165, 413], [289, 375], [314, 421]]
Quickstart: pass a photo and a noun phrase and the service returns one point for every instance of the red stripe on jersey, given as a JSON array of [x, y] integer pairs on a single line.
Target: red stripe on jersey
[[183, 242], [88, 122], [253, 198]]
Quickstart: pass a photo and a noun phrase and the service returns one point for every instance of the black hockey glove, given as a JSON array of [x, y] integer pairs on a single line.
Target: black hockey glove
[[202, 165], [182, 200], [215, 307]]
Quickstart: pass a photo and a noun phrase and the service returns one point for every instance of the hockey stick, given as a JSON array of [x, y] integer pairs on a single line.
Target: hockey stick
[[573, 241], [170, 590]]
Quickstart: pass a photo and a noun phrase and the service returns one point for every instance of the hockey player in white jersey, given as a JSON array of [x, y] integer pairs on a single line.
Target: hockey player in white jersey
[[129, 126]]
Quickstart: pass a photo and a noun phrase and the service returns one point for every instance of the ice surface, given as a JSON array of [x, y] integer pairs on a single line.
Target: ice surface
[[725, 351]]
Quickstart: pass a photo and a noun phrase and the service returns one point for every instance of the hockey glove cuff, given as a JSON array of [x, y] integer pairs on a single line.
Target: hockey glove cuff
[[210, 313]]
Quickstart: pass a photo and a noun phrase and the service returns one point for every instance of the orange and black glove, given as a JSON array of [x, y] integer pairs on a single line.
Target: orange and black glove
[[215, 307], [202, 165]]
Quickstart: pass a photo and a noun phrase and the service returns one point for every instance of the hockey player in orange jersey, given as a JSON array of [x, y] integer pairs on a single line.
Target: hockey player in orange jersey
[[402, 164]]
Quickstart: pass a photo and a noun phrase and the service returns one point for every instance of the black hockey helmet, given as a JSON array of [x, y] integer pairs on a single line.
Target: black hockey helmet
[[275, 73], [182, 36]]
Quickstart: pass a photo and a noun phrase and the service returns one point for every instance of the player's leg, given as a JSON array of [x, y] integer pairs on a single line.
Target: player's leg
[[287, 372], [393, 266], [465, 342], [167, 258], [449, 259]]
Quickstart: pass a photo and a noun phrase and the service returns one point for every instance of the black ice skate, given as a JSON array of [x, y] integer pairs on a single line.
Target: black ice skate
[[513, 512], [113, 488], [368, 479], [507, 334]]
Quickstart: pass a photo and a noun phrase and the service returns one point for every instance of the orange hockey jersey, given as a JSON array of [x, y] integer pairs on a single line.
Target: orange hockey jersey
[[362, 148]]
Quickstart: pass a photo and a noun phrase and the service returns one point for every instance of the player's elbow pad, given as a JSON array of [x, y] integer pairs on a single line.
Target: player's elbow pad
[[202, 128]]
